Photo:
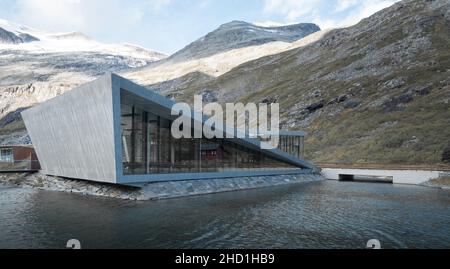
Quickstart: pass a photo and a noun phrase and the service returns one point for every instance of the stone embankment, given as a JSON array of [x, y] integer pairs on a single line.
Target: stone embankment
[[153, 191]]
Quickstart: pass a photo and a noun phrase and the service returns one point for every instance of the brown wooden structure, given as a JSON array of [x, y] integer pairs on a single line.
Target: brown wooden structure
[[18, 158]]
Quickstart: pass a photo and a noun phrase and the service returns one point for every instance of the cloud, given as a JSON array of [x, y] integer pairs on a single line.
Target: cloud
[[343, 5], [157, 5], [292, 10], [363, 10], [84, 15], [325, 13]]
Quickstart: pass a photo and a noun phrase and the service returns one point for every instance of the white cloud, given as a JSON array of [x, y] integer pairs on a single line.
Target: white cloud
[[84, 15], [343, 5], [157, 5], [363, 10], [327, 14], [291, 9]]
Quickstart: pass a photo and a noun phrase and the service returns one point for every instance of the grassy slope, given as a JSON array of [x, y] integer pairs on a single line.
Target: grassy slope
[[357, 61]]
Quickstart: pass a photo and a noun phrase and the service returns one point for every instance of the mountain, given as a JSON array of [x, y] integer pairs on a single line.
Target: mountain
[[7, 37], [22, 38], [179, 65], [36, 66], [11, 33], [240, 34], [376, 92]]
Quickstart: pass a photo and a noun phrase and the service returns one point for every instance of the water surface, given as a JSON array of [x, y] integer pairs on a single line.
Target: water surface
[[311, 215]]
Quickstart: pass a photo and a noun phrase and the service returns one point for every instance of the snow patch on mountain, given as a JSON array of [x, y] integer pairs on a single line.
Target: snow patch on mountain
[[43, 42]]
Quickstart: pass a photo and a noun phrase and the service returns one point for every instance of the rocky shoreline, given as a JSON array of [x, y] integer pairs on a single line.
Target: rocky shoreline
[[152, 191]]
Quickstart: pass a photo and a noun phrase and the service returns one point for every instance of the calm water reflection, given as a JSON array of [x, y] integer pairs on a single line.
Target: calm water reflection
[[313, 215]]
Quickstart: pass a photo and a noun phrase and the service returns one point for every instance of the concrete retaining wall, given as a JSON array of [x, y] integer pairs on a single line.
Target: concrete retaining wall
[[198, 187], [414, 177]]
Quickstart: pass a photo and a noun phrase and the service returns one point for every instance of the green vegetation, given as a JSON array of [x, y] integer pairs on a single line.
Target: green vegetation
[[441, 181], [408, 123]]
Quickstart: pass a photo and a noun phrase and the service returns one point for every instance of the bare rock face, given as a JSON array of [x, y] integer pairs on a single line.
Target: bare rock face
[[446, 155], [209, 96], [393, 84], [7, 37], [351, 104], [27, 38], [316, 106], [11, 117]]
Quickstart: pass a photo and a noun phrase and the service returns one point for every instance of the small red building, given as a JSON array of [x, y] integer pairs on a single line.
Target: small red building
[[18, 158]]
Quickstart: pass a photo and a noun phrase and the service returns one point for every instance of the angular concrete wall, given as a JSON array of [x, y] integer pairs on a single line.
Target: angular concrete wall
[[73, 134]]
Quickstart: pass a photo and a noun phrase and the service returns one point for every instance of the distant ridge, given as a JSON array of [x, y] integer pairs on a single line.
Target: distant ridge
[[239, 34]]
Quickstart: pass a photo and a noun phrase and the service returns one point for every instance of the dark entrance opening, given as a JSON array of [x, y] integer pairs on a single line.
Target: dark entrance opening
[[346, 177], [371, 179]]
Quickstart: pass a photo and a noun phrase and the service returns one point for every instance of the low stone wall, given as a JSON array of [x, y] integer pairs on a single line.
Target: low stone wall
[[50, 183], [152, 191]]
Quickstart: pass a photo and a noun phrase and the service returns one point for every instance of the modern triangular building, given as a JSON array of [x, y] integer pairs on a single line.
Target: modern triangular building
[[112, 130]]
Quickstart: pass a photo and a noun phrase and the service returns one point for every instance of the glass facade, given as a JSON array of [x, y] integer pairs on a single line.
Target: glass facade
[[293, 145], [149, 148]]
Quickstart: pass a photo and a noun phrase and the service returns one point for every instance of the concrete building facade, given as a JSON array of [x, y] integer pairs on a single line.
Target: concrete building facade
[[114, 131]]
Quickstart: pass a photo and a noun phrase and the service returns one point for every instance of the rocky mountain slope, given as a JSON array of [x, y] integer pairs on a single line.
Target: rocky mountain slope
[[376, 92], [240, 34], [169, 75], [7, 37], [221, 50], [18, 37], [49, 64]]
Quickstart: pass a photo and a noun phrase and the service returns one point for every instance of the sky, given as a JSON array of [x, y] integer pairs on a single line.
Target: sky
[[169, 25]]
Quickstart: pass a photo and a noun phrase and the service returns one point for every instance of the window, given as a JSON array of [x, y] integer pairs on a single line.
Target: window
[[293, 145], [6, 155], [149, 148]]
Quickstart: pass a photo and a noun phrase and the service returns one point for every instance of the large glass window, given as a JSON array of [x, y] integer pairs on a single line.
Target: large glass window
[[133, 135], [186, 156], [6, 155], [149, 148], [293, 145]]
